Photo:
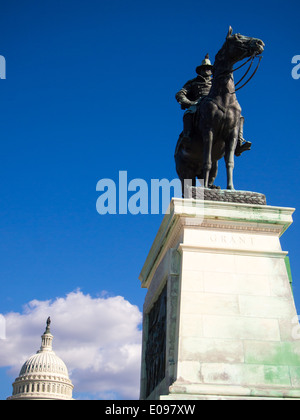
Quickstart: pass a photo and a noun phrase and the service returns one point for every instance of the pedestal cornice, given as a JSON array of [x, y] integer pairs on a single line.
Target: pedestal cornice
[[212, 215]]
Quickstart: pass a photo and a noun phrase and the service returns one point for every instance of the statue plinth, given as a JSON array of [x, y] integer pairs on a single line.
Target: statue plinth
[[226, 196], [219, 316]]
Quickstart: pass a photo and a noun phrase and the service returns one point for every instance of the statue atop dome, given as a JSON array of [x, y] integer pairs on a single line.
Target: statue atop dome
[[48, 323]]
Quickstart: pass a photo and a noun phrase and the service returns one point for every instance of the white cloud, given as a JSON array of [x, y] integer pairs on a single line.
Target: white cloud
[[2, 327], [98, 338]]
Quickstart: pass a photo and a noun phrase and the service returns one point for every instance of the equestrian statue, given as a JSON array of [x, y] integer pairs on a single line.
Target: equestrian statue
[[212, 123]]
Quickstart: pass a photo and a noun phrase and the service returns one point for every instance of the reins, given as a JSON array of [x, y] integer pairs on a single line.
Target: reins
[[252, 59], [237, 83], [242, 65]]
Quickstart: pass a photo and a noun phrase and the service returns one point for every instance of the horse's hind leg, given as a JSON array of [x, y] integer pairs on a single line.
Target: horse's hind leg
[[185, 186]]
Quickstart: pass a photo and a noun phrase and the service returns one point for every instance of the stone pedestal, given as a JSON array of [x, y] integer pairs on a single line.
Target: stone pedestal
[[219, 316]]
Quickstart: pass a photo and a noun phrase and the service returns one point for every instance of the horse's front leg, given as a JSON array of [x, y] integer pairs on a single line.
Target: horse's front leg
[[229, 156], [213, 174], [207, 162]]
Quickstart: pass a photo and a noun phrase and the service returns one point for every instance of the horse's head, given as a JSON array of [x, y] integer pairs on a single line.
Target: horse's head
[[237, 47]]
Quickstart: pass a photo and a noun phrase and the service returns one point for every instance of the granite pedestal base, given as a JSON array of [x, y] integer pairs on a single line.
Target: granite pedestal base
[[219, 316]]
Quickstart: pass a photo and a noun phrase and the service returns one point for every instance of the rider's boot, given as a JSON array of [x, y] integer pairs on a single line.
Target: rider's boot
[[242, 144]]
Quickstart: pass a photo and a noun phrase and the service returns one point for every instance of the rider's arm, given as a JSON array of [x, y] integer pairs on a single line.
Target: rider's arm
[[183, 96]]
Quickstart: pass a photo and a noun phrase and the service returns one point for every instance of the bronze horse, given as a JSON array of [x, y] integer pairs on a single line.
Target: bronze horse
[[217, 119]]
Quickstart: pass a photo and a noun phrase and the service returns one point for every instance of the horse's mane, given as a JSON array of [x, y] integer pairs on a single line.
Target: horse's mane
[[220, 54], [220, 58]]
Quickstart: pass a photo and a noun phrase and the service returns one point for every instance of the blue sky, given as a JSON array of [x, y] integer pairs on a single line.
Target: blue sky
[[90, 91]]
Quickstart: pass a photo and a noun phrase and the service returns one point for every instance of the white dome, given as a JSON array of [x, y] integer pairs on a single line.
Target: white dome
[[43, 376], [44, 362]]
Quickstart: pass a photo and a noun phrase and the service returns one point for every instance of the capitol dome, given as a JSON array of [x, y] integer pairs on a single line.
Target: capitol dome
[[44, 376]]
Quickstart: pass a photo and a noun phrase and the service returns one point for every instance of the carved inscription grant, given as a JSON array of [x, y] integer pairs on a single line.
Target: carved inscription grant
[[155, 356], [232, 240]]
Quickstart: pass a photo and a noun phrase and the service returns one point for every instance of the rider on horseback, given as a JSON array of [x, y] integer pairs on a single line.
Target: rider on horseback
[[190, 96]]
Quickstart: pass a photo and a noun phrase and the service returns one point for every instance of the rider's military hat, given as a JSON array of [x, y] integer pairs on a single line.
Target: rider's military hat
[[205, 64]]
